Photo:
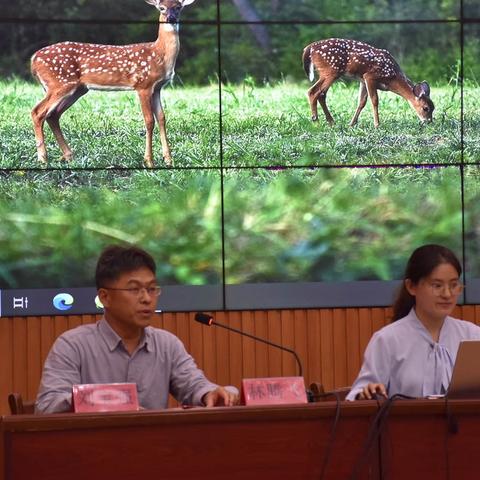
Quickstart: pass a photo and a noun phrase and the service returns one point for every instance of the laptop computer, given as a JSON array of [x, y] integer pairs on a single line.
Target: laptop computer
[[465, 382]]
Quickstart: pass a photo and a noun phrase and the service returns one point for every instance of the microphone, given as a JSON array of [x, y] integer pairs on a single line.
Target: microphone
[[208, 320]]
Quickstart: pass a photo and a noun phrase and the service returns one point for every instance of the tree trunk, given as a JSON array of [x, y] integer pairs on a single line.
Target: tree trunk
[[249, 14]]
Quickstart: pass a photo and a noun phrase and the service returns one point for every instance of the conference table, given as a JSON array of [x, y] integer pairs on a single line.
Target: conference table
[[424, 439]]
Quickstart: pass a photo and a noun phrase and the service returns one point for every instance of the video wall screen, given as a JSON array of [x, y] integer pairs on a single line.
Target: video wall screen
[[272, 200]]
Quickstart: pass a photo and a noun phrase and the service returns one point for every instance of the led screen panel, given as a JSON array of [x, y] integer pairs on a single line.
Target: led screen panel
[[333, 226], [471, 9], [55, 223], [472, 233], [262, 208], [106, 129], [471, 96], [268, 119]]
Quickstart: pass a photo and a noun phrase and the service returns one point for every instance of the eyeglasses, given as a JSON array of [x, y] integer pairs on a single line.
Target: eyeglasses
[[153, 291], [455, 288]]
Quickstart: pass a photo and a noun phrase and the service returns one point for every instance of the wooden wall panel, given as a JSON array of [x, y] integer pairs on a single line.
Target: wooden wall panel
[[20, 366], [235, 349], [6, 361], [221, 355], [326, 350], [352, 344], [248, 345], [301, 331], [261, 352], [34, 357], [288, 340], [339, 348], [274, 335], [329, 342], [311, 360]]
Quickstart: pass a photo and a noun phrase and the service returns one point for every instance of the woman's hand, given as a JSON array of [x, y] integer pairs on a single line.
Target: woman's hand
[[371, 391]]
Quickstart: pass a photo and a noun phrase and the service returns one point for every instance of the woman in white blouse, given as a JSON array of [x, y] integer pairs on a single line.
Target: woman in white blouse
[[415, 354]]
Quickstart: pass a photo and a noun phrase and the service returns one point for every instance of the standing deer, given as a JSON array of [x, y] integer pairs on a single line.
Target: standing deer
[[375, 68], [69, 70]]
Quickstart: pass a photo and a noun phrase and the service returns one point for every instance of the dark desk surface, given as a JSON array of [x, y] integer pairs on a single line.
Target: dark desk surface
[[277, 442]]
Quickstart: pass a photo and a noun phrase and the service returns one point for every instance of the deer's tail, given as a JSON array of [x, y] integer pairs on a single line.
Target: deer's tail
[[33, 66], [307, 63]]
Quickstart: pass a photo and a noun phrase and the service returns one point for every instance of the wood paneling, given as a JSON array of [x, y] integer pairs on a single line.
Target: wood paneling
[[329, 342]]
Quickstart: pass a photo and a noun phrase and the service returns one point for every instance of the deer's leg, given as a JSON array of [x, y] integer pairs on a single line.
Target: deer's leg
[[362, 101], [322, 97], [160, 117], [319, 93], [39, 113], [372, 93], [312, 95], [53, 119], [145, 97], [42, 111]]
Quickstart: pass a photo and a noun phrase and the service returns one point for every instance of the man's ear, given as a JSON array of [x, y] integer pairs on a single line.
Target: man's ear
[[410, 287], [104, 297]]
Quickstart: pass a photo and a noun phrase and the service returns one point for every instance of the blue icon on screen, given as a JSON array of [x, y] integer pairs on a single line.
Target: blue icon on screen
[[63, 301]]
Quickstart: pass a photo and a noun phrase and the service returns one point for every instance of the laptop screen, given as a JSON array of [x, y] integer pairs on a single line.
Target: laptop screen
[[465, 380]]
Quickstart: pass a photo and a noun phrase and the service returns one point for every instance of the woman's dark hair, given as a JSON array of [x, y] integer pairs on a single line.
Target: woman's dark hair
[[116, 260], [420, 265]]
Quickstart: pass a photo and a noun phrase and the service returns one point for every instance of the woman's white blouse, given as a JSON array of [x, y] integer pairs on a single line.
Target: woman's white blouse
[[404, 357]]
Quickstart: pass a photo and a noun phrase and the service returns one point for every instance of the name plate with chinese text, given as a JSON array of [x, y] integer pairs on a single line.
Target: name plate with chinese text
[[273, 391]]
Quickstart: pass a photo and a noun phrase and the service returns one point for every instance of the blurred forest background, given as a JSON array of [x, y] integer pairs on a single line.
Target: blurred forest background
[[271, 50]]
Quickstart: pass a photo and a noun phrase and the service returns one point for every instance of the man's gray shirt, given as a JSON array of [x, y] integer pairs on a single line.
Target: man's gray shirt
[[94, 353]]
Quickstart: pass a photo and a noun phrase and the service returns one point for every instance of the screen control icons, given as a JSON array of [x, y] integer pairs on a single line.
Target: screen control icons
[[63, 301], [20, 302], [98, 303]]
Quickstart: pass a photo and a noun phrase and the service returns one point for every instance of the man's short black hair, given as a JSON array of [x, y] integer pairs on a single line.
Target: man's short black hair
[[116, 260]]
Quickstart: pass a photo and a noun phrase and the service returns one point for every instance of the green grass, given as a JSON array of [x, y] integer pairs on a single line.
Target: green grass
[[262, 125], [472, 123], [106, 129], [273, 124]]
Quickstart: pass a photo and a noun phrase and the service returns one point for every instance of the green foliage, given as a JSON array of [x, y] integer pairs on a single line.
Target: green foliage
[[424, 50], [313, 225], [55, 223], [336, 225], [352, 10], [471, 54]]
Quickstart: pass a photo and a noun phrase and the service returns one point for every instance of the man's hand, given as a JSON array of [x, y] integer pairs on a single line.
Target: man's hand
[[220, 397], [371, 391]]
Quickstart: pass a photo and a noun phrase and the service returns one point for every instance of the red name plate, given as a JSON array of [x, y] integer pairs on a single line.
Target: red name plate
[[105, 397], [273, 391]]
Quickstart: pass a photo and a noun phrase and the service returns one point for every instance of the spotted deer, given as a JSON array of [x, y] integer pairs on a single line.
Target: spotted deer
[[375, 68], [69, 70]]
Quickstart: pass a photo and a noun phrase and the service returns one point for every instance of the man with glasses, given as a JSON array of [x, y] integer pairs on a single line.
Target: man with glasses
[[123, 347]]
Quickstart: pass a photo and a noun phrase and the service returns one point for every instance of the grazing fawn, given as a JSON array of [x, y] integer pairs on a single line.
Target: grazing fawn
[[375, 68], [69, 70]]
